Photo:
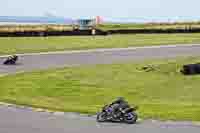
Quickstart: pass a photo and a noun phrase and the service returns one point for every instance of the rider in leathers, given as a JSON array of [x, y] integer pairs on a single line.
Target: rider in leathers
[[120, 103]]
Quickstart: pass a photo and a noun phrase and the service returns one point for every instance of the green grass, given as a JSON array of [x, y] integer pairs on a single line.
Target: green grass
[[43, 44], [163, 26], [160, 94], [123, 26]]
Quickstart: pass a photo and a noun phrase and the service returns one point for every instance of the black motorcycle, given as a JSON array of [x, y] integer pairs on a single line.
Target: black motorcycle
[[11, 60], [118, 111]]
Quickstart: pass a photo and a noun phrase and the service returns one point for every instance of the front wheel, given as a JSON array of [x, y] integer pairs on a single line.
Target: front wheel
[[131, 118], [101, 117], [6, 62]]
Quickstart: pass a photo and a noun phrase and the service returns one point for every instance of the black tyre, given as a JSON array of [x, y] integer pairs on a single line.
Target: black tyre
[[191, 69], [131, 118], [101, 117]]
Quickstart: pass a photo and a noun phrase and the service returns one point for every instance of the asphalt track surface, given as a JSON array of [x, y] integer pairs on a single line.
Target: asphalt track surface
[[31, 62], [25, 120]]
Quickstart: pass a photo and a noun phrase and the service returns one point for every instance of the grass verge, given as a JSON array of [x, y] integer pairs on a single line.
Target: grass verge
[[160, 94], [163, 26], [12, 45]]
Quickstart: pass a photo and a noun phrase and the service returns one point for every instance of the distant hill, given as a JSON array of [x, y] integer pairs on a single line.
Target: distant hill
[[30, 19]]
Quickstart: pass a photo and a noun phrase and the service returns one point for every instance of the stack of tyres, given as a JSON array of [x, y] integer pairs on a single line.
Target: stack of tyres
[[191, 69]]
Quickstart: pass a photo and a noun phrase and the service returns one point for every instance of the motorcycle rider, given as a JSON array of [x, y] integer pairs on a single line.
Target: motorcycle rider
[[117, 111], [118, 106], [11, 59]]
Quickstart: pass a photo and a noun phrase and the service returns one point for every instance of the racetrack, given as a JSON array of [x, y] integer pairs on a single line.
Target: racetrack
[[24, 120], [30, 62]]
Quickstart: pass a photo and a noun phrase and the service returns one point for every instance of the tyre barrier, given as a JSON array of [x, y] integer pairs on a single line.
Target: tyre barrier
[[51, 33], [191, 69], [97, 32], [153, 31]]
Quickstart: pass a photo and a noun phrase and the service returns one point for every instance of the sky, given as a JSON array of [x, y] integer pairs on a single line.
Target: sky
[[116, 10]]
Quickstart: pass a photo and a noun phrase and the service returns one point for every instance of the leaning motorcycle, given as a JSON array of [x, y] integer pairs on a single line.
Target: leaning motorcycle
[[11, 60], [118, 113]]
